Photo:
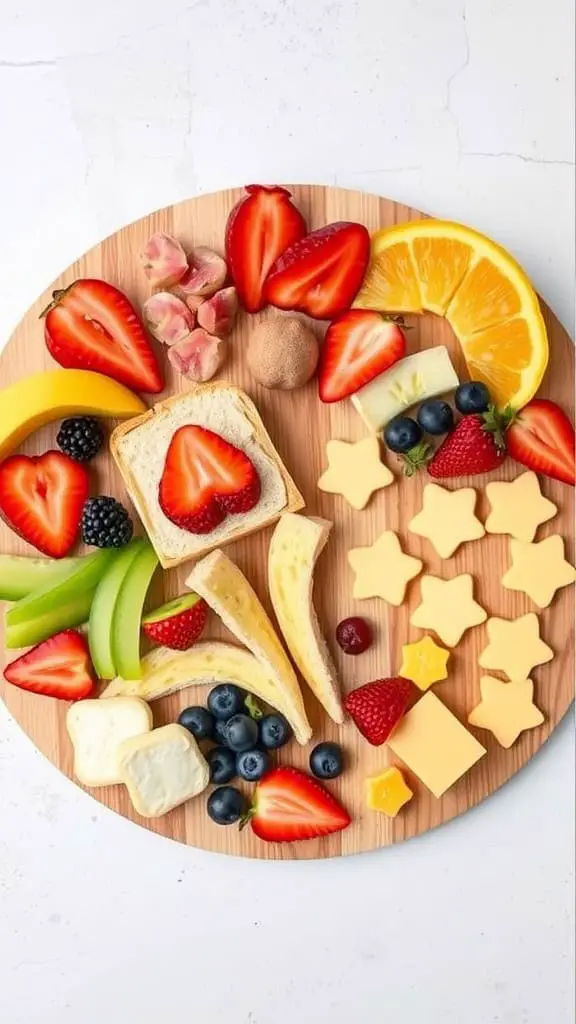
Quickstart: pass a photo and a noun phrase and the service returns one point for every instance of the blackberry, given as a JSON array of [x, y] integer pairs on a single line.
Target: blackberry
[[81, 438], [106, 523]]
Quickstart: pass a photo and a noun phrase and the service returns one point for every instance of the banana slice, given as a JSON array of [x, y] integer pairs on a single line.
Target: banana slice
[[406, 383], [296, 544]]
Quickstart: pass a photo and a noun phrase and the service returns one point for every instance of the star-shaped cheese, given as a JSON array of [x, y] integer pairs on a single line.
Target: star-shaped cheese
[[506, 709], [355, 471], [424, 662], [518, 507], [515, 646], [539, 569], [447, 518], [383, 570], [448, 607]]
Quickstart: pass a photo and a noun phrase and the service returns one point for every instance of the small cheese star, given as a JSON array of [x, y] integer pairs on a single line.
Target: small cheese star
[[424, 662], [506, 709], [355, 471], [519, 507], [539, 569], [515, 646], [447, 518], [448, 607], [383, 570]]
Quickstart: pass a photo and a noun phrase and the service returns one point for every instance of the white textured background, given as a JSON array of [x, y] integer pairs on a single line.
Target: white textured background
[[107, 111]]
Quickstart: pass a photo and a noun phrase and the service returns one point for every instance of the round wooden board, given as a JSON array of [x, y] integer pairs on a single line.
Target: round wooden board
[[300, 426]]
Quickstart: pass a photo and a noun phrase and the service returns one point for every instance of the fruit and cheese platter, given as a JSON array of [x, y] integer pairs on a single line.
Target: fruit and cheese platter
[[287, 521]]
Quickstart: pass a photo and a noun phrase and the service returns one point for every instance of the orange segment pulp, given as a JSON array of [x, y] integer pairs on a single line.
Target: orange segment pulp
[[448, 269]]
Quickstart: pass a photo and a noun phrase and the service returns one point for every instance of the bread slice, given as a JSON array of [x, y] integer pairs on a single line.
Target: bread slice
[[139, 448], [96, 729], [162, 769], [296, 545], [227, 591]]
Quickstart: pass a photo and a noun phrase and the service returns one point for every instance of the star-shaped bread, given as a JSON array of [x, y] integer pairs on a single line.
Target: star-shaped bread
[[515, 646], [539, 569], [355, 471], [424, 662], [506, 709], [447, 518], [518, 507], [383, 570], [448, 607]]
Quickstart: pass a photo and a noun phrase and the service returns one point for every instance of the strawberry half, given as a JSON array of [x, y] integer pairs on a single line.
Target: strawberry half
[[60, 667], [376, 708], [541, 437], [205, 479], [260, 228], [290, 805], [92, 326], [358, 346], [177, 624], [321, 274], [41, 498], [476, 445]]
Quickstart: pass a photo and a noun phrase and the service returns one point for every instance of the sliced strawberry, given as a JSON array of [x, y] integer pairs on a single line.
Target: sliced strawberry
[[541, 437], [290, 805], [177, 624], [358, 346], [476, 445], [321, 274], [59, 667], [42, 497], [377, 707], [260, 228], [205, 479], [92, 326]]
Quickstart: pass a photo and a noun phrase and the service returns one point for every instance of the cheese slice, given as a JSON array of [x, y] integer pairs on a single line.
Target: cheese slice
[[227, 591], [162, 769], [96, 730], [296, 545], [409, 381]]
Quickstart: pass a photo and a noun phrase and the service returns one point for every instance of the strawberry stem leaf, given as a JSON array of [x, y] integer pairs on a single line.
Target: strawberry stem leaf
[[416, 458]]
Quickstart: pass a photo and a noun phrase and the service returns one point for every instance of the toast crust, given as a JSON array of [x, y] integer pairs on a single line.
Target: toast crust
[[294, 499]]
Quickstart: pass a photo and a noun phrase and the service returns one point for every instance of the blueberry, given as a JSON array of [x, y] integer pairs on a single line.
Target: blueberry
[[402, 434], [251, 765], [436, 417], [472, 397], [274, 731], [226, 700], [222, 765], [241, 733], [225, 805], [198, 721], [327, 761], [220, 733]]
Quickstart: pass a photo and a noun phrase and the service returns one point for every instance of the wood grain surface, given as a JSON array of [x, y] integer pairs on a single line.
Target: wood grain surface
[[300, 426]]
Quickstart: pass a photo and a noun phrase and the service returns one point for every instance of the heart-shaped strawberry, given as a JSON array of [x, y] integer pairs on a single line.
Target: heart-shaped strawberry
[[42, 497], [205, 479]]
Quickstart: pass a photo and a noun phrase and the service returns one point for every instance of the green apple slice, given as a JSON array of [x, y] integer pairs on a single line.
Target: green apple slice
[[20, 575], [103, 608], [128, 614], [64, 616], [84, 578]]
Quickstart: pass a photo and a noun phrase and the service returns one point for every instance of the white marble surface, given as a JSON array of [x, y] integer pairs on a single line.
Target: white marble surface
[[108, 111]]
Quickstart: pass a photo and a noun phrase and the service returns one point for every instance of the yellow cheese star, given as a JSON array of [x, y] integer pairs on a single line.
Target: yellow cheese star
[[539, 569], [515, 646], [424, 662], [448, 607], [355, 471], [506, 709], [383, 570], [387, 792], [447, 518], [518, 507]]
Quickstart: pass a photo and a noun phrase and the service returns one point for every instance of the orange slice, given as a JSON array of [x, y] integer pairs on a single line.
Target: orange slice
[[445, 268]]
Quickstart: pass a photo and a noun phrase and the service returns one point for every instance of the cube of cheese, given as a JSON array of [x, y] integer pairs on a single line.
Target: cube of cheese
[[96, 729], [162, 769]]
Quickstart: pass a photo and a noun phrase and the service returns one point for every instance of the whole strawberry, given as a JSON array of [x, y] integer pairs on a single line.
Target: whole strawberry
[[476, 445], [377, 707], [177, 624]]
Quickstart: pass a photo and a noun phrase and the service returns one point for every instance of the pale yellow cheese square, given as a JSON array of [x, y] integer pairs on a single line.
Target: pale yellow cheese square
[[434, 745]]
